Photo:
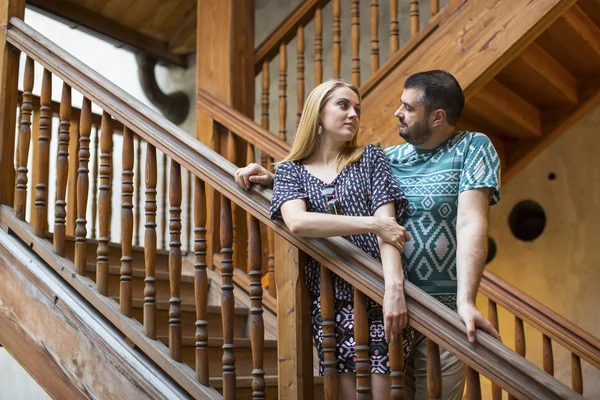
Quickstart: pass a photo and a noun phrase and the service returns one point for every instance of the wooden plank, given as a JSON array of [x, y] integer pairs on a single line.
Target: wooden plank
[[293, 323], [107, 29], [9, 75]]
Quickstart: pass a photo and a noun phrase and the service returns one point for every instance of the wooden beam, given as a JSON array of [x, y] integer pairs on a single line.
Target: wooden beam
[[183, 40], [505, 109], [584, 27], [107, 29]]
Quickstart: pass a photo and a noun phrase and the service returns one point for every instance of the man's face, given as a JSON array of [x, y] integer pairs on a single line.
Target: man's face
[[414, 121]]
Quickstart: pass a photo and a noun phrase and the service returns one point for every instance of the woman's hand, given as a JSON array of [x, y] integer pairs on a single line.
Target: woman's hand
[[390, 232], [253, 173], [395, 314]]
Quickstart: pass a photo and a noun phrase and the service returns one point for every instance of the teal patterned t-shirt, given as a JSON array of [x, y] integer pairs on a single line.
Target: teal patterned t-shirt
[[432, 181]]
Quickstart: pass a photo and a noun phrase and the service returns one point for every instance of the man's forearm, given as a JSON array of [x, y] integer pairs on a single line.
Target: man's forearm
[[470, 260]]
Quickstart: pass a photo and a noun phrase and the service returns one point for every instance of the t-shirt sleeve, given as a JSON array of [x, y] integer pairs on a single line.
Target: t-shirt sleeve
[[384, 187], [286, 186], [481, 168]]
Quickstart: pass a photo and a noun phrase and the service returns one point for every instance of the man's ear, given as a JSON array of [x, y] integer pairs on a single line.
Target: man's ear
[[439, 117]]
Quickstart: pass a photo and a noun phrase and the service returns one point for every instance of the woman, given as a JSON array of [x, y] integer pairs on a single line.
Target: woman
[[327, 173]]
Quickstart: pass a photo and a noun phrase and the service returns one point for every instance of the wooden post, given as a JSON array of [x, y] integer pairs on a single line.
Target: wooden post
[[225, 68], [9, 76], [150, 243], [294, 349]]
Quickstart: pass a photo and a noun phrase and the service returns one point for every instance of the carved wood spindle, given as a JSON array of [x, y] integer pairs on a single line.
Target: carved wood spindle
[[271, 257], [95, 183], [163, 203], [473, 385], [414, 17], [336, 48], [282, 90], [24, 141], [257, 327], [35, 158], [396, 352], [83, 183], [519, 337], [355, 11], [434, 370], [330, 382], [62, 170], [434, 7], [394, 31], [227, 299], [265, 96], [318, 46], [104, 203], [493, 317], [40, 223], [200, 282], [175, 262], [150, 243], [126, 292], [576, 374], [361, 337], [300, 72], [137, 191], [190, 200], [547, 354], [374, 36]]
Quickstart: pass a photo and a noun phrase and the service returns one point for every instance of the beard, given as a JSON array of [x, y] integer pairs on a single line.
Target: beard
[[417, 134]]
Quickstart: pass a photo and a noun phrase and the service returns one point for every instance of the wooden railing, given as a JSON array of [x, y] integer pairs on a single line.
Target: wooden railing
[[505, 368]]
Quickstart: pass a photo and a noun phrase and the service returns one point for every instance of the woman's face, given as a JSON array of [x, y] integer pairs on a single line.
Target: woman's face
[[340, 116]]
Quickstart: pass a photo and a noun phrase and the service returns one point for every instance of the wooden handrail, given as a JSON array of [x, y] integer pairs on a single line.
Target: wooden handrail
[[285, 32], [556, 327], [489, 357]]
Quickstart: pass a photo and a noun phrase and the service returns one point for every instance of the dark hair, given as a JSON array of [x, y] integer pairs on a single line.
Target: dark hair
[[439, 89]]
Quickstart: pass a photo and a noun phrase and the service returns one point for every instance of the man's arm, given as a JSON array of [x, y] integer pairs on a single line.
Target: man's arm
[[471, 232]]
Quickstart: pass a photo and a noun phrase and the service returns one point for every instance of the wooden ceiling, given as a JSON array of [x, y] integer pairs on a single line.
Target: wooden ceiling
[[164, 29]]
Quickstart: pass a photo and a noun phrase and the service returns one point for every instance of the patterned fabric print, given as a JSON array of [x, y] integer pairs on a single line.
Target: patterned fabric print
[[432, 181], [344, 332], [360, 187]]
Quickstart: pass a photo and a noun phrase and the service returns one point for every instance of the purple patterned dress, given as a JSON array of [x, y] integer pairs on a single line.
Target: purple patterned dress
[[361, 188]]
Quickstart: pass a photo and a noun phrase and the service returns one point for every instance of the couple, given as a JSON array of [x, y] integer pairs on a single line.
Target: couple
[[427, 199]]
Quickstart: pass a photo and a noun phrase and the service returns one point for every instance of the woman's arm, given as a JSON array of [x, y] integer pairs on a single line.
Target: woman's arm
[[253, 173], [395, 314], [311, 224]]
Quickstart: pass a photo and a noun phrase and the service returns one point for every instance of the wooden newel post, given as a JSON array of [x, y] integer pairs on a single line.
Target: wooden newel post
[[294, 350]]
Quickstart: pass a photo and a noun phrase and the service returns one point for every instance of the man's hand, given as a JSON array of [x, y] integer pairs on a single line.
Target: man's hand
[[253, 173], [473, 319]]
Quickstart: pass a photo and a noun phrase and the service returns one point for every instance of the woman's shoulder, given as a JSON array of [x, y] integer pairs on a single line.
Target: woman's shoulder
[[372, 152], [287, 166]]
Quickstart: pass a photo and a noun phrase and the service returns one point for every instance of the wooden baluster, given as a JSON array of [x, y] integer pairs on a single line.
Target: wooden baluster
[[282, 90], [110, 191], [72, 174], [330, 385], [24, 140], [200, 282], [35, 158], [434, 6], [374, 36], [434, 371], [473, 385], [95, 183], [83, 183], [126, 292], [227, 299], [576, 374], [336, 47], [271, 259], [318, 46], [62, 169], [519, 337], [137, 191], [265, 96], [257, 327], [548, 355], [163, 217], [394, 31], [396, 352], [150, 243], [40, 223], [300, 72], [175, 262], [104, 203], [493, 317], [189, 212], [414, 17], [361, 337], [355, 10]]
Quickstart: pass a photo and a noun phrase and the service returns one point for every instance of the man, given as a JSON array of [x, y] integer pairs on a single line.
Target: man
[[450, 178]]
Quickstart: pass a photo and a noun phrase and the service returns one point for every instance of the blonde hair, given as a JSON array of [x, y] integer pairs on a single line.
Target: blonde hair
[[308, 127]]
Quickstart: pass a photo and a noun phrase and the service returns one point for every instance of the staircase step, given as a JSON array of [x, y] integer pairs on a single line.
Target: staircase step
[[243, 385]]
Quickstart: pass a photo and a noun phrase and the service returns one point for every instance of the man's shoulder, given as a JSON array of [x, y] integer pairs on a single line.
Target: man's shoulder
[[392, 153]]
